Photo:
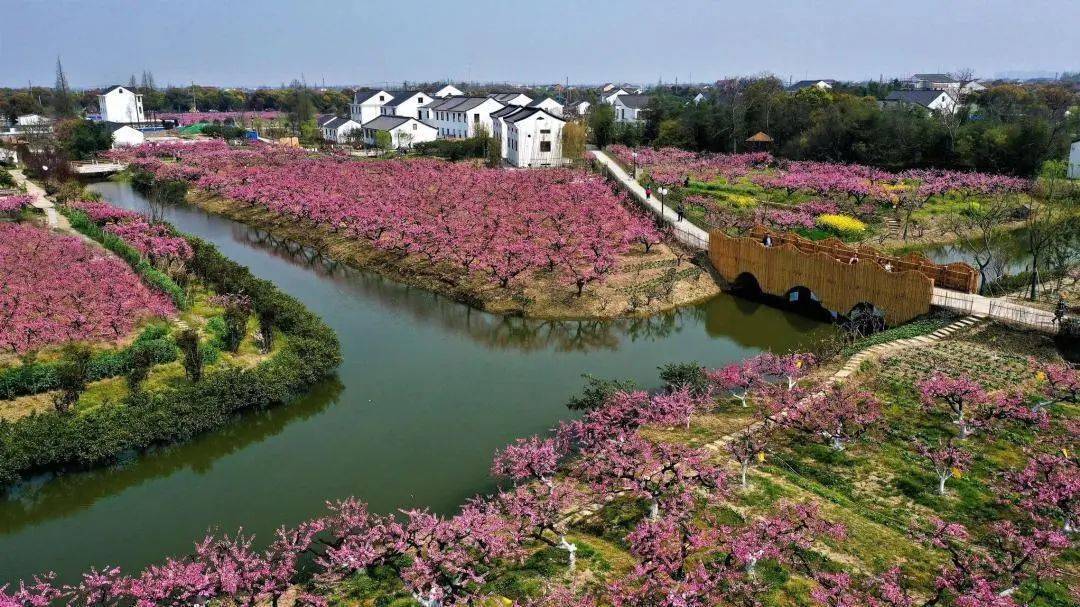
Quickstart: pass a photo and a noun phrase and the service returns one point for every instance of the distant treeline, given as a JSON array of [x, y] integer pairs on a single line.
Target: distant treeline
[[1008, 128]]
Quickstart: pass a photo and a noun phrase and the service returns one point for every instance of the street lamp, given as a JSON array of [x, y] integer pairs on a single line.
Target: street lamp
[[634, 154], [663, 194]]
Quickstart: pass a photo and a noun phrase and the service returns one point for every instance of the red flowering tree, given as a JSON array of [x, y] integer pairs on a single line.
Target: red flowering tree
[[1049, 486], [961, 396], [838, 413], [948, 460]]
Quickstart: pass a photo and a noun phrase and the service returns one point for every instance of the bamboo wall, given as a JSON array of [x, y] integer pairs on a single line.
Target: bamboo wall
[[901, 294]]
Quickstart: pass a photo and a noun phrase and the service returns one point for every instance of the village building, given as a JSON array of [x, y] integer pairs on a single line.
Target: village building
[[32, 120], [549, 105], [580, 108], [932, 100], [448, 91], [631, 108], [120, 104], [520, 99], [404, 131], [337, 129], [1074, 161], [406, 103], [124, 135], [367, 105], [823, 85], [531, 136], [459, 117], [943, 82]]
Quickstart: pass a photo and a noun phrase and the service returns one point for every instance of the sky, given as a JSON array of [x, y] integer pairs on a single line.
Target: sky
[[270, 42]]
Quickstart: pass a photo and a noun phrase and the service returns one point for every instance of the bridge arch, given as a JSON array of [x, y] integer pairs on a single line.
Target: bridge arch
[[839, 277]]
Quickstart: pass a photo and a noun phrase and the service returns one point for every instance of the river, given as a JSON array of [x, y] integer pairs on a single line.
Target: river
[[427, 390]]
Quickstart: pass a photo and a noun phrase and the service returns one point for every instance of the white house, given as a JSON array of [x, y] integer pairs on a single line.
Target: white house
[[944, 82], [366, 105], [933, 100], [405, 131], [580, 108], [406, 103], [549, 105], [532, 137], [448, 91], [1074, 161], [457, 117], [630, 108], [823, 85], [32, 120], [124, 135], [120, 104], [520, 99], [699, 98], [609, 97], [337, 129]]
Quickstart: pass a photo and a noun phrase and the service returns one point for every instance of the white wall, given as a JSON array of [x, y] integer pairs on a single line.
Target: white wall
[[125, 136], [551, 106], [526, 140], [409, 108], [368, 108], [1074, 161], [626, 114], [412, 133], [448, 91], [121, 105], [453, 124]]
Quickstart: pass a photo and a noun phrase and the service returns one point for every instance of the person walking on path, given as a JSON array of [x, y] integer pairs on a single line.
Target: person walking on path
[[680, 211], [1060, 310], [648, 192]]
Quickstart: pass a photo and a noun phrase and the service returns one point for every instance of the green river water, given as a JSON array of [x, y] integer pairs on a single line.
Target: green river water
[[428, 389]]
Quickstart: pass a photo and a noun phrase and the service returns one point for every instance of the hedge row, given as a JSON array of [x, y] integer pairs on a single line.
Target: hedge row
[[36, 377], [154, 278], [310, 352]]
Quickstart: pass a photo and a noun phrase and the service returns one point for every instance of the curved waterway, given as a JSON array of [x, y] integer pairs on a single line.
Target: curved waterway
[[428, 389]]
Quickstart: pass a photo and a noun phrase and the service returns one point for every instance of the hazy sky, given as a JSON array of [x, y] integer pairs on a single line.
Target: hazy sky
[[243, 42]]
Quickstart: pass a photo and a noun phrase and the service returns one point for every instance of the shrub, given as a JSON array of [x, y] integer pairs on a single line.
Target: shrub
[[843, 225], [72, 374], [188, 341]]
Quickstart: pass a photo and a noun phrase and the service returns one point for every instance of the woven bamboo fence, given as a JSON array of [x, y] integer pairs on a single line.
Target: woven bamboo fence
[[825, 268], [954, 276]]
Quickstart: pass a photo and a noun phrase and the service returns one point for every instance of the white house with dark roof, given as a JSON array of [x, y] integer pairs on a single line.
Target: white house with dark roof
[[448, 91], [406, 103], [944, 82], [1074, 161], [337, 128], [823, 85], [549, 105], [520, 99], [530, 136], [121, 104], [932, 100], [631, 108], [367, 105], [580, 107], [405, 131], [459, 117], [609, 97]]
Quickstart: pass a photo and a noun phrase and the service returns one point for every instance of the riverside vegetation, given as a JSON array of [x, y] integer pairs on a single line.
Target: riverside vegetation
[[224, 342]]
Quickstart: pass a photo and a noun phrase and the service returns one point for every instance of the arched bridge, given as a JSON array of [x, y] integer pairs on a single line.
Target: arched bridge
[[840, 276]]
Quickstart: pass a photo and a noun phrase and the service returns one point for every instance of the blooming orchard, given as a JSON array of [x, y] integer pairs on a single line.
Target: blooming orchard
[[155, 241], [501, 225], [57, 289]]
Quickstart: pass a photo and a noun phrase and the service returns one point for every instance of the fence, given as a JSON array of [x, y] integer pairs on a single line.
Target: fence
[[955, 276], [998, 309]]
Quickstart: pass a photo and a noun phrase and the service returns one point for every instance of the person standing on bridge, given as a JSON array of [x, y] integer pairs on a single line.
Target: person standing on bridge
[[1060, 309]]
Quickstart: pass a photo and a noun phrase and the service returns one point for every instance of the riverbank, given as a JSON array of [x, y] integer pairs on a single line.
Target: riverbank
[[642, 283], [142, 395]]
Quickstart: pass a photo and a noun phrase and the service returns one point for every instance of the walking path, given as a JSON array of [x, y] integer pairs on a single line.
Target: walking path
[[54, 219], [685, 231]]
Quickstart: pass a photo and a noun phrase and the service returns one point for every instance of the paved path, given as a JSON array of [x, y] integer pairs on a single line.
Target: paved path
[[54, 219], [995, 307], [685, 231]]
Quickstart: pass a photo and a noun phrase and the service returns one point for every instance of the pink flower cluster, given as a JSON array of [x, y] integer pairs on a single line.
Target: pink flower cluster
[[185, 118], [155, 241], [10, 205], [858, 182], [671, 165], [58, 289], [502, 225]]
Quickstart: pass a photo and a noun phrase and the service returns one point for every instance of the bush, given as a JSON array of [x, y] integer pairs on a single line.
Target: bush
[[142, 420], [843, 225], [35, 377]]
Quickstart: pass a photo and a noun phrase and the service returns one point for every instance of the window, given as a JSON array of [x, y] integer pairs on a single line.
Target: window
[[381, 98], [545, 146], [414, 126], [476, 118], [545, 131]]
